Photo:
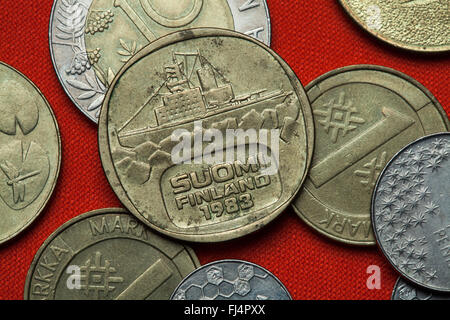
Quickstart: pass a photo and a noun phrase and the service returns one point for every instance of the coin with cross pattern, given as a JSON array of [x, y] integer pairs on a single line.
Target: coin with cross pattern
[[107, 255], [363, 115]]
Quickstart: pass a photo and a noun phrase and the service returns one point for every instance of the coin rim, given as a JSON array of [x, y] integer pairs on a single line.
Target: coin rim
[[68, 224], [396, 44], [52, 56], [58, 165], [373, 220], [232, 261], [407, 282], [394, 290], [65, 88], [364, 67], [106, 158]]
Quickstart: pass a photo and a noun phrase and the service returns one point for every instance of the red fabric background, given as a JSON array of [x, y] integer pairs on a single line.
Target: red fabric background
[[313, 37]]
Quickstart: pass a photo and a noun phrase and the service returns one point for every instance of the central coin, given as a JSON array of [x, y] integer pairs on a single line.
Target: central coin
[[205, 135]]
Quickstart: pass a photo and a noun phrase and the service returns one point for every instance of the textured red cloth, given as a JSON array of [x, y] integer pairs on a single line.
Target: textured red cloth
[[313, 37]]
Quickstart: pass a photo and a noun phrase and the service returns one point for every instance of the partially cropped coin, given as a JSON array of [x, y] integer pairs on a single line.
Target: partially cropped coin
[[419, 25], [411, 212], [107, 254], [30, 152], [363, 116], [406, 291], [231, 280], [199, 142], [90, 40]]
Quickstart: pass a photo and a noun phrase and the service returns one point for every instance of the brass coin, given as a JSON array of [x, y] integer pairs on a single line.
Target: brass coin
[[419, 25], [115, 30], [363, 116], [227, 81], [107, 254], [30, 152]]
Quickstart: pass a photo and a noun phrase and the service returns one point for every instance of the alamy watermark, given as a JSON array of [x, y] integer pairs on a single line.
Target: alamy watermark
[[211, 146], [374, 20], [374, 280]]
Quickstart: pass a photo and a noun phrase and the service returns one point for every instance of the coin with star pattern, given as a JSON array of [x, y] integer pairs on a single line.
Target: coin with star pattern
[[411, 212], [363, 115]]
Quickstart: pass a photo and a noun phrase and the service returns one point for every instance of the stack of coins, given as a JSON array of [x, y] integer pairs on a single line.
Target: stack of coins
[[206, 134]]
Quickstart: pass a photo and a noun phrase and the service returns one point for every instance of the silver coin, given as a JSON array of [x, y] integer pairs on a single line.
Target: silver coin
[[410, 212], [74, 64], [404, 290], [231, 280]]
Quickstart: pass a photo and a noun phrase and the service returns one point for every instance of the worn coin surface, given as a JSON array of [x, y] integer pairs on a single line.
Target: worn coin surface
[[419, 25], [107, 254], [30, 152], [411, 212], [405, 290], [363, 116], [231, 280], [91, 40], [199, 86]]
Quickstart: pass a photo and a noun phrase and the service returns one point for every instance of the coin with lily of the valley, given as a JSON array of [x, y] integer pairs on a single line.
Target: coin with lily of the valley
[[231, 280], [91, 40], [199, 142], [363, 116], [411, 212], [107, 255], [419, 25], [30, 152], [407, 291]]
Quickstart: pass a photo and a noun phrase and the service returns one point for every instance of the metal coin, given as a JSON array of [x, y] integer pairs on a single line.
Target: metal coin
[[203, 76], [91, 40], [419, 25], [406, 291], [411, 212], [30, 152], [363, 116], [231, 280], [104, 255]]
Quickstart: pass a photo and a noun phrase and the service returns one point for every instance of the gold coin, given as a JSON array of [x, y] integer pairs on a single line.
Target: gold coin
[[107, 255], [228, 83], [30, 152], [419, 25], [363, 116], [118, 29]]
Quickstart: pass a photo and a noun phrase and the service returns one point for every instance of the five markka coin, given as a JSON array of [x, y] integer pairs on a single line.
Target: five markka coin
[[30, 152], [107, 254], [419, 25], [406, 291], [411, 212], [91, 40], [231, 280], [205, 82], [363, 116]]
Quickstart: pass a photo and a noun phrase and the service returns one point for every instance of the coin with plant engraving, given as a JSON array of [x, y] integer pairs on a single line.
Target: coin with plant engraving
[[91, 40], [30, 152], [419, 25], [406, 291], [411, 212], [231, 280], [199, 142], [363, 116], [107, 255]]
